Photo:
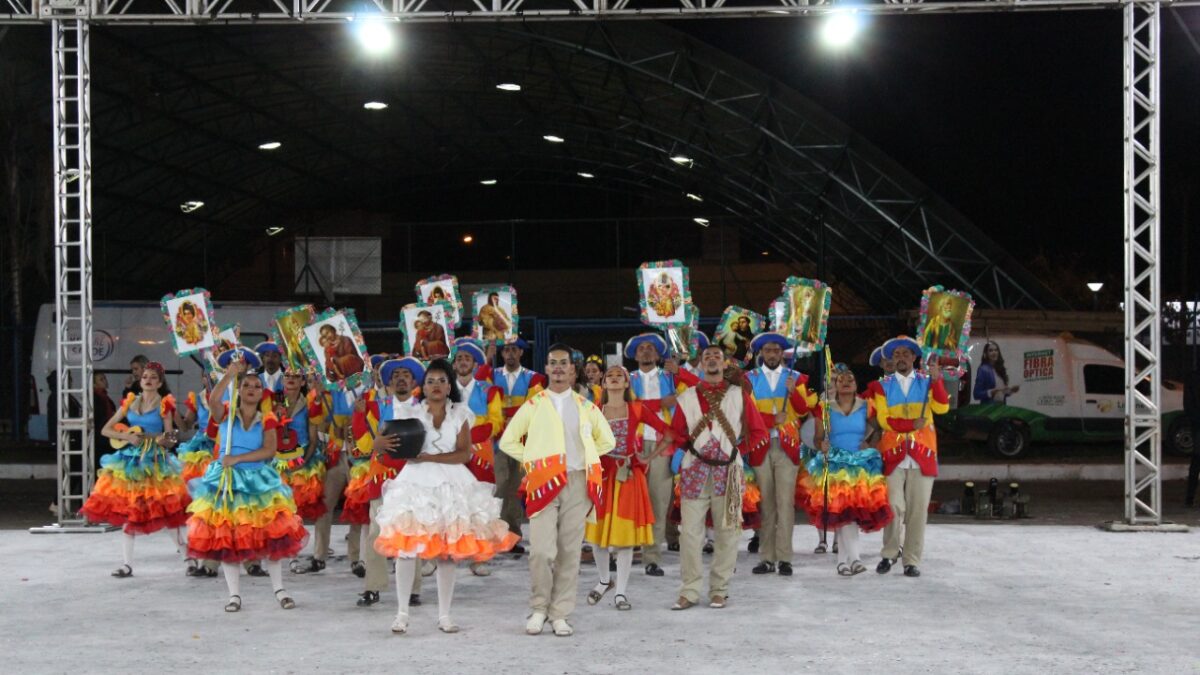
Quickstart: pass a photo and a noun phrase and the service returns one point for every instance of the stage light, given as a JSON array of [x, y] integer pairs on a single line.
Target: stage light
[[702, 222], [375, 105], [270, 145], [584, 174], [375, 37], [189, 206], [508, 86], [840, 29], [554, 139], [694, 197], [488, 181]]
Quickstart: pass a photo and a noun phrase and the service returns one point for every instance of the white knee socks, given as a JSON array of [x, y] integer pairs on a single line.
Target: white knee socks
[[624, 565], [446, 570], [233, 577], [406, 571], [275, 571], [602, 556], [847, 537], [127, 549]]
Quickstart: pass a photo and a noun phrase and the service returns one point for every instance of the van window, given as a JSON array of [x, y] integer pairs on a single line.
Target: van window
[[1099, 379]]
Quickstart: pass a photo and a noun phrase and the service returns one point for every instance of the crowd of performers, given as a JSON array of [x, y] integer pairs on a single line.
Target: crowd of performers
[[671, 454]]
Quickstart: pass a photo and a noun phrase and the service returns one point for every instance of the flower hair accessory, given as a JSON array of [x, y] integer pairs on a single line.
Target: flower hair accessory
[[156, 367]]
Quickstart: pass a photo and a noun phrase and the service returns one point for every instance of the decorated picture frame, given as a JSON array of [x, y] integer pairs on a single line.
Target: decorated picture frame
[[334, 346], [664, 293], [736, 329], [227, 337], [442, 288], [777, 314], [287, 329], [189, 317], [495, 319], [427, 333], [683, 340], [944, 324], [808, 304]]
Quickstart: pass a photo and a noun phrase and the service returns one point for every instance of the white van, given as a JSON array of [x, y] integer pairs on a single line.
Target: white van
[[123, 330], [1061, 389]]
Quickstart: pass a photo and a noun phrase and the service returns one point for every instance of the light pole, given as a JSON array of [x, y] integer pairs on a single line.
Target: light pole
[[1094, 287]]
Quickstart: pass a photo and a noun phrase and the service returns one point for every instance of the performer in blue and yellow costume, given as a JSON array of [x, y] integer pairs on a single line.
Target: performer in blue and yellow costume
[[852, 468], [241, 510], [299, 457], [139, 486]]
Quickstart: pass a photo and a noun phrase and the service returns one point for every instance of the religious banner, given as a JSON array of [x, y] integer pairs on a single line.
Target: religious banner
[[288, 331], [189, 317], [777, 314], [683, 340], [807, 321], [426, 330], [736, 328], [443, 288], [945, 323], [664, 293], [495, 312], [334, 345]]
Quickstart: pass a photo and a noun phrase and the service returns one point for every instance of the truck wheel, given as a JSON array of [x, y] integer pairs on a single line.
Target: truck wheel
[[1008, 440], [1179, 438]]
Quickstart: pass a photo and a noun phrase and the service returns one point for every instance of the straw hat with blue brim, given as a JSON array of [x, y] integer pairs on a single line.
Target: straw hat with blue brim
[[659, 342], [242, 354], [769, 338], [876, 357], [889, 348], [470, 346], [408, 363]]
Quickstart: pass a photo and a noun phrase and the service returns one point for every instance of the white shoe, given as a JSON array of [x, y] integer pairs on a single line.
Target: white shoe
[[428, 567], [447, 625], [562, 628], [536, 622], [400, 625]]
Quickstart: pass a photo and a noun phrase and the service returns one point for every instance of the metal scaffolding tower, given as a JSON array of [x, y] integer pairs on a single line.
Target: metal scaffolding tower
[[73, 263]]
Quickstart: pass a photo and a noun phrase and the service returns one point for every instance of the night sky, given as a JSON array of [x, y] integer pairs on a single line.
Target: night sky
[[1015, 119]]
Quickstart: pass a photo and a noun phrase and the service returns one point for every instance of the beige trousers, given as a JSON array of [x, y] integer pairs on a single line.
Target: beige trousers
[[508, 479], [908, 493], [555, 539], [691, 541], [335, 483], [776, 478], [662, 493]]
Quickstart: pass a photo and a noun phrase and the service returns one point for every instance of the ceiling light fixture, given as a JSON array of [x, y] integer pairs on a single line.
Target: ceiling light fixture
[[694, 197], [554, 139], [468, 239], [188, 207], [840, 29], [272, 231], [375, 37], [508, 86], [682, 160], [488, 181], [584, 174], [375, 105], [270, 145], [766, 253], [702, 222]]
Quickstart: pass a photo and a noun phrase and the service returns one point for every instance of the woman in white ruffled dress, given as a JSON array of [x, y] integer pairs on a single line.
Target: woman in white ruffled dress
[[435, 509]]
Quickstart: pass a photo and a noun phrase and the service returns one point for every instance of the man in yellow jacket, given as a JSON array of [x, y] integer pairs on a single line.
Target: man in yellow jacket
[[558, 437]]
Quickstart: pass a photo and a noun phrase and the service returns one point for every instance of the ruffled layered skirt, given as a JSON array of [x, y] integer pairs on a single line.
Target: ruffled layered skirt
[[306, 478], [356, 509], [432, 510], [857, 489], [195, 455], [139, 488], [243, 513], [625, 515]]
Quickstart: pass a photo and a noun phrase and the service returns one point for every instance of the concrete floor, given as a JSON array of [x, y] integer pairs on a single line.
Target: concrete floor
[[997, 598]]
